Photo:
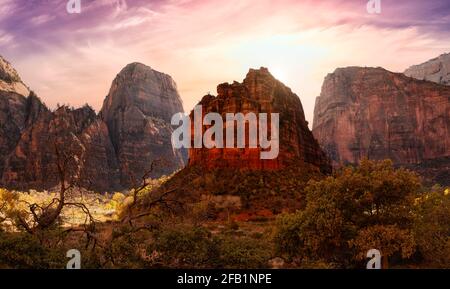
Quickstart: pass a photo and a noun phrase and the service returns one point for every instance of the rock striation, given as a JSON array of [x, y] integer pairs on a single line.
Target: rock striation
[[260, 92], [137, 112], [18, 109], [237, 178], [108, 151], [10, 80], [73, 132], [435, 70], [378, 114]]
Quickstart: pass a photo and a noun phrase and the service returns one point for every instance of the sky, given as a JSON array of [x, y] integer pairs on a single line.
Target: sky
[[73, 58]]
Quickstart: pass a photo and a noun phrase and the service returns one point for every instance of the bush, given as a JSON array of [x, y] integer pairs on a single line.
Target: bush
[[24, 251], [125, 250], [432, 227], [389, 238], [373, 200], [243, 253], [184, 246], [195, 247]]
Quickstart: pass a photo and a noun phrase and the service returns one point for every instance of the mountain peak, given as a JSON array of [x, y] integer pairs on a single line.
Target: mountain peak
[[135, 66], [261, 70], [137, 112], [377, 114], [7, 72], [256, 74], [152, 92], [260, 92], [10, 80], [435, 70]]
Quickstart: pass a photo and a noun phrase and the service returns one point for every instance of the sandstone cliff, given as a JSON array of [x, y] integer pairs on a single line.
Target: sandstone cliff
[[137, 112], [436, 70], [74, 132], [132, 129], [18, 109], [10, 80], [260, 92], [374, 113], [237, 178]]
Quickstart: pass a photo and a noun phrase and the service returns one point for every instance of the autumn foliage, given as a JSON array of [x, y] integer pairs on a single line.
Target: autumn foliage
[[338, 219], [370, 206]]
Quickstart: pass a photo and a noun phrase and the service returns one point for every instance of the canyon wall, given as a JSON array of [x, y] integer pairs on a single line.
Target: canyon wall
[[109, 151], [260, 92], [378, 114], [435, 70]]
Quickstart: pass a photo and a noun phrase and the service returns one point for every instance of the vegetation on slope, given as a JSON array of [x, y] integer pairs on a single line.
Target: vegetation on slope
[[331, 223]]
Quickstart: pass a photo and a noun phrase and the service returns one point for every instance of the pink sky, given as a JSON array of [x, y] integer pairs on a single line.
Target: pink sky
[[72, 59]]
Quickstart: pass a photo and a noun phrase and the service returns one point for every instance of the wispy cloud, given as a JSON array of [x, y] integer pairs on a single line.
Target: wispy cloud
[[5, 38], [73, 58], [41, 19]]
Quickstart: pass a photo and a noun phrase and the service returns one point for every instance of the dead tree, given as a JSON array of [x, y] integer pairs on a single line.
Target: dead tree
[[159, 196], [43, 217]]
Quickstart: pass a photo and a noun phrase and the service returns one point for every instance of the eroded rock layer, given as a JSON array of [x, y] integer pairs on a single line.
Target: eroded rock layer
[[109, 151], [260, 92], [436, 70], [137, 112], [378, 114]]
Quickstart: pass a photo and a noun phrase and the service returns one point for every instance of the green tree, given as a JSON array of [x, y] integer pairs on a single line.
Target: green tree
[[432, 227], [185, 246], [373, 199]]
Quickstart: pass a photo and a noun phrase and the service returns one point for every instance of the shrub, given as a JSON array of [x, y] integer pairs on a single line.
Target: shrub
[[188, 247], [432, 227], [373, 200], [244, 253], [25, 251], [185, 246]]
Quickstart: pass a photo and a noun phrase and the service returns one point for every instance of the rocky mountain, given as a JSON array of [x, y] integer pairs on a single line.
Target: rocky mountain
[[237, 178], [378, 114], [10, 80], [436, 70], [260, 92], [78, 135], [137, 112], [108, 151], [18, 109]]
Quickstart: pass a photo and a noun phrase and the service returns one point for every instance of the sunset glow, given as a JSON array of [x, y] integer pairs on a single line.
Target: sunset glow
[[72, 58]]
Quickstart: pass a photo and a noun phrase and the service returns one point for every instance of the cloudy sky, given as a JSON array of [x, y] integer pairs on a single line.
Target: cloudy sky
[[72, 58]]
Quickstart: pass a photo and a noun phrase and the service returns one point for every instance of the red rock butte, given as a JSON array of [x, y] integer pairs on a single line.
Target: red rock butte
[[260, 92]]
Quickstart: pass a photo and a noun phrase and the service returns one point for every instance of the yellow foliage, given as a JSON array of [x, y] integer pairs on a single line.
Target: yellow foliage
[[8, 199], [118, 197], [11, 208]]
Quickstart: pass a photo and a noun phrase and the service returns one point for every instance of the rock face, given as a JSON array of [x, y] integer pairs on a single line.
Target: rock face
[[137, 112], [436, 70], [250, 187], [18, 109], [260, 92], [73, 132], [132, 129], [10, 80], [374, 113]]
